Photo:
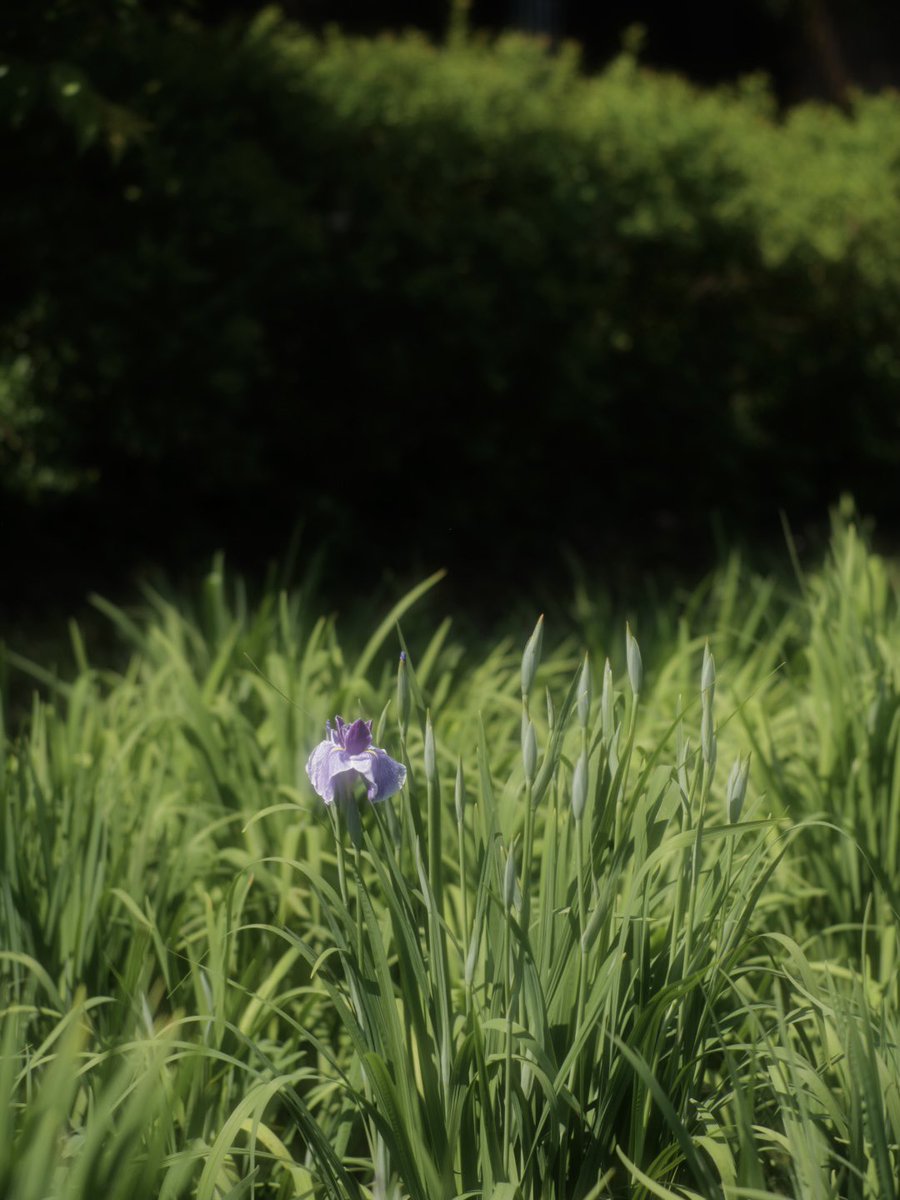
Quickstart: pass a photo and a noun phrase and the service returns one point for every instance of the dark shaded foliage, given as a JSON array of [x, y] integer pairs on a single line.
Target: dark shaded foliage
[[439, 304]]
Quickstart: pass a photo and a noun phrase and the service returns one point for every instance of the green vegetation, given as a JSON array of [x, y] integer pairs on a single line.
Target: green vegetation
[[215, 232], [572, 959]]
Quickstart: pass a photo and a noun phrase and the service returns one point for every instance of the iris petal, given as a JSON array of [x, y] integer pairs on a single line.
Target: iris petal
[[324, 765], [384, 777], [357, 737]]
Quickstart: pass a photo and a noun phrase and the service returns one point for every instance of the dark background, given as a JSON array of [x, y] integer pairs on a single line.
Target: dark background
[[235, 309], [809, 48]]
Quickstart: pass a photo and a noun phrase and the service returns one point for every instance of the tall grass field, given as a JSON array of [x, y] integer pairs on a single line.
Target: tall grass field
[[630, 928]]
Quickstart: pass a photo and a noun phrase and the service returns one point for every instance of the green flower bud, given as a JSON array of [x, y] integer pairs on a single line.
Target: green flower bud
[[633, 660], [707, 736], [403, 697], [607, 703], [584, 694], [613, 754], [736, 788], [580, 786], [532, 656], [708, 677]]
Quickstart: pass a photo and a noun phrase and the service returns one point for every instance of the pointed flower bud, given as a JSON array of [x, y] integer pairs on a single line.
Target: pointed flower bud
[[613, 754], [736, 788], [403, 699], [708, 677], [584, 694], [707, 735], [633, 659], [707, 696], [607, 703], [532, 656]]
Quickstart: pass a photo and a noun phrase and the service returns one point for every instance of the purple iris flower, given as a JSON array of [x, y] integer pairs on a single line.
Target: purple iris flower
[[346, 756]]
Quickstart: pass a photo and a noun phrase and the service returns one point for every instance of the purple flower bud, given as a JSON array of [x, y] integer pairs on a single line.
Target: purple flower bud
[[347, 756]]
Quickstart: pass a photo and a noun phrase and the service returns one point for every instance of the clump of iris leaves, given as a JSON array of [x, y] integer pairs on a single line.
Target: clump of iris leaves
[[585, 952]]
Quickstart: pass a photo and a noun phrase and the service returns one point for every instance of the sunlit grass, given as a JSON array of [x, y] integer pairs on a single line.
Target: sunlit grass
[[571, 959]]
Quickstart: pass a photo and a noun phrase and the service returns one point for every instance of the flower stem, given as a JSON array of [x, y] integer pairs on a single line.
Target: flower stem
[[507, 1094], [357, 863], [339, 852], [526, 860]]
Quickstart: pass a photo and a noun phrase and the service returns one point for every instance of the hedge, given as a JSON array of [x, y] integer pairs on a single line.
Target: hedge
[[459, 297]]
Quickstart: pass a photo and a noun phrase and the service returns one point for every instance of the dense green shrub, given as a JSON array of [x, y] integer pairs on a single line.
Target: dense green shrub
[[251, 274]]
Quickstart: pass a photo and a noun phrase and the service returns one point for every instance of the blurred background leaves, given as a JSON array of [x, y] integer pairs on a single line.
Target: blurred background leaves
[[258, 276]]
